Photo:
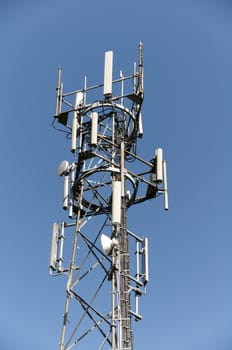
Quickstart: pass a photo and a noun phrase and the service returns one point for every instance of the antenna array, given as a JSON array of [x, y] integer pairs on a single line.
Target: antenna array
[[106, 264]]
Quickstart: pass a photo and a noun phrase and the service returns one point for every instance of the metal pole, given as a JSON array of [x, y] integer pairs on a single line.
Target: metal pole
[[71, 270], [113, 325], [124, 262]]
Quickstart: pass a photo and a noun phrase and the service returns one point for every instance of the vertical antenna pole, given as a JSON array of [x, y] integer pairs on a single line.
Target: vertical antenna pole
[[122, 86], [113, 324], [125, 324], [141, 68], [137, 275], [61, 97], [61, 246], [85, 89], [134, 78]]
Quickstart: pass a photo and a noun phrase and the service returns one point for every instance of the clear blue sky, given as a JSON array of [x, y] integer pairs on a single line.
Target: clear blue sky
[[187, 111]]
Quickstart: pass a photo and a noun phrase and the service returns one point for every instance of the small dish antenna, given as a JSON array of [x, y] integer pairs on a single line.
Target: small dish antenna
[[108, 244], [63, 168]]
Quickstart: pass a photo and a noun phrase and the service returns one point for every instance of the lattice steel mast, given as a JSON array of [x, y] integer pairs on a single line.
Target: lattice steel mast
[[108, 269]]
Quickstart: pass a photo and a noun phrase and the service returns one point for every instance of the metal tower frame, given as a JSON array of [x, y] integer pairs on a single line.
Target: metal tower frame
[[105, 263]]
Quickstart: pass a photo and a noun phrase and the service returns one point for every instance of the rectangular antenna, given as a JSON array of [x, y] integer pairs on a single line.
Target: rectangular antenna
[[116, 202], [65, 199], [61, 97], [94, 125], [145, 261], [74, 133], [108, 74], [140, 126], [75, 124], [159, 164], [53, 256], [58, 91], [165, 186], [70, 208]]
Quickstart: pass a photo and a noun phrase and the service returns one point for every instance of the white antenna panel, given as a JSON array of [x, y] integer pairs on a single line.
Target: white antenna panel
[[108, 73], [145, 261], [140, 126], [159, 164], [79, 99], [94, 124], [116, 202], [74, 133], [53, 256], [65, 200], [165, 186]]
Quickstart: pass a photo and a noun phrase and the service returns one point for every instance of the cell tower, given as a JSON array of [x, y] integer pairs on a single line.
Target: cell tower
[[106, 264]]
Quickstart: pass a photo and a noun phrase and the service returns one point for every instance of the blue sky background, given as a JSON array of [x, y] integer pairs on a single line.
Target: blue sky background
[[187, 111]]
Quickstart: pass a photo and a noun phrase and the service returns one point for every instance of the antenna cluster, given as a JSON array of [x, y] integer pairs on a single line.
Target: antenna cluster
[[106, 263]]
